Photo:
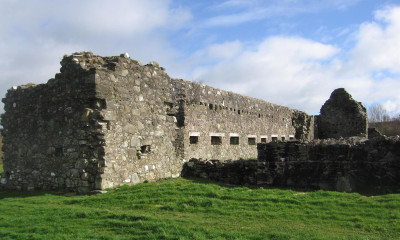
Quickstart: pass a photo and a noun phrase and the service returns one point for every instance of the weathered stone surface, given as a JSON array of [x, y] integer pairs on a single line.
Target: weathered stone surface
[[374, 133], [366, 166], [106, 121], [342, 116]]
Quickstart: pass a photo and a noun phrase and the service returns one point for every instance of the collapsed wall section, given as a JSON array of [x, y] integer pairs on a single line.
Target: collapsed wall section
[[342, 116], [224, 125], [368, 167], [52, 137]]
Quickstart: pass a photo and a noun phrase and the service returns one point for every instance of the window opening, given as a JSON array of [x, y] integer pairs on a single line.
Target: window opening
[[274, 139], [283, 139], [145, 149], [252, 141], [216, 140], [264, 140], [234, 140], [194, 139]]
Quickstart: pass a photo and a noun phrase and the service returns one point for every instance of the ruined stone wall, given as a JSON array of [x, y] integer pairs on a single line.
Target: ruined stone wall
[[102, 122], [142, 125], [51, 137], [238, 121], [370, 167], [342, 116], [108, 121]]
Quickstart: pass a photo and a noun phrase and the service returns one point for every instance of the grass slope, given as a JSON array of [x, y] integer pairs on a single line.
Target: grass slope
[[189, 209]]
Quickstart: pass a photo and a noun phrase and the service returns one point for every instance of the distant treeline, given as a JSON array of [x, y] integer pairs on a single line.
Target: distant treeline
[[389, 128], [380, 119]]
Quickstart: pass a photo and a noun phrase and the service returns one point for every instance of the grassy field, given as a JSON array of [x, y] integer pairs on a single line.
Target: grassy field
[[190, 209]]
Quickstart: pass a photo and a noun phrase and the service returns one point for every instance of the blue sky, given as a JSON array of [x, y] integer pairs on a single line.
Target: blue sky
[[288, 52]]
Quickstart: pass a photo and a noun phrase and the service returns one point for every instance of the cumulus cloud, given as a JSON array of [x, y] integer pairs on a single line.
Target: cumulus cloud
[[301, 73], [36, 34], [242, 11], [280, 69], [378, 43], [287, 70]]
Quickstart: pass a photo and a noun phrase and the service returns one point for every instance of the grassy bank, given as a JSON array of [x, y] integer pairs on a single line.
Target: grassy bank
[[187, 209]]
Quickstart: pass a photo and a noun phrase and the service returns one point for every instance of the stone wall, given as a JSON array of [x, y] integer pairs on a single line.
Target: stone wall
[[370, 167], [51, 137], [342, 116], [238, 121], [108, 121], [142, 127]]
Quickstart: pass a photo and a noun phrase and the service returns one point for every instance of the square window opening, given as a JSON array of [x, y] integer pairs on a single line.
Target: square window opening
[[264, 140], [216, 140], [252, 141], [274, 139], [234, 140], [194, 139]]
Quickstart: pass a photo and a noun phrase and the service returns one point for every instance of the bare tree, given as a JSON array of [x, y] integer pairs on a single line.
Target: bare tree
[[376, 113]]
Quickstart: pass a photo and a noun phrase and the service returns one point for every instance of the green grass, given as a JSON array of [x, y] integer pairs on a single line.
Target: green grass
[[189, 209], [1, 168]]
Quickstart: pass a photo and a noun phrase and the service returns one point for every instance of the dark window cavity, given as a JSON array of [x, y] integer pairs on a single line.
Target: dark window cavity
[[145, 149], [234, 140], [216, 140], [194, 139], [252, 141]]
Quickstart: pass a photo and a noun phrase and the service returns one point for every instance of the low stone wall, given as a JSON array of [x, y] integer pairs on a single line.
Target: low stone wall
[[369, 167]]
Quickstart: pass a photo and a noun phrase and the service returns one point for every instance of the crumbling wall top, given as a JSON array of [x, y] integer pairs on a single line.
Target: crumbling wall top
[[342, 116]]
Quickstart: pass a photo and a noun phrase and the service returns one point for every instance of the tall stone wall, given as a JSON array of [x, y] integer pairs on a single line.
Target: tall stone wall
[[51, 137], [108, 121], [369, 167], [141, 131], [239, 121], [342, 116]]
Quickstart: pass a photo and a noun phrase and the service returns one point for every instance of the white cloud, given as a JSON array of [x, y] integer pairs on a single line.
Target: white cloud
[[36, 34], [279, 69], [302, 73], [252, 10], [378, 43], [291, 71]]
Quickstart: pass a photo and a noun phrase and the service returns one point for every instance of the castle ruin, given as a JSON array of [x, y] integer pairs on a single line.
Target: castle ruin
[[107, 121]]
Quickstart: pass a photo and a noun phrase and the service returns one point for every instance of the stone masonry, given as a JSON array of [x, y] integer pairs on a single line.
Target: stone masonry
[[351, 165], [107, 121], [342, 116]]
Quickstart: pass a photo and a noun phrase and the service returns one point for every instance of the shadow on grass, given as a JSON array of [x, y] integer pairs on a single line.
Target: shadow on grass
[[250, 186], [25, 194], [245, 173]]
